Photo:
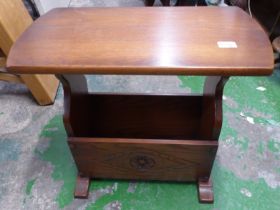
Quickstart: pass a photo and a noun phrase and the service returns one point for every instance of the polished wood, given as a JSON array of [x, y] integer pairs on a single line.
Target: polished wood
[[137, 116], [205, 190], [42, 87], [10, 77], [75, 93], [212, 114], [4, 75], [14, 19], [128, 115], [173, 41], [143, 159], [170, 137], [82, 187], [101, 125]]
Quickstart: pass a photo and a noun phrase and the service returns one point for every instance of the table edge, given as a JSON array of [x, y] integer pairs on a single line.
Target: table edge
[[145, 70]]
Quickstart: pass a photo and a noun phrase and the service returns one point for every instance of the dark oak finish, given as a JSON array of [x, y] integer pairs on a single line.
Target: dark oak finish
[[212, 107], [75, 90], [108, 131], [205, 190], [143, 159], [178, 3], [138, 116], [82, 187], [170, 41], [171, 137]]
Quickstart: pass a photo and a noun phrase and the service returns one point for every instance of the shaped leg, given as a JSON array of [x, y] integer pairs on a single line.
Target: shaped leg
[[82, 187], [75, 89], [212, 107], [205, 190]]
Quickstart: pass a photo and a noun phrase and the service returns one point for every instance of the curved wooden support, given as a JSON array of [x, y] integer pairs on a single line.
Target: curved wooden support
[[205, 190], [75, 87], [212, 116]]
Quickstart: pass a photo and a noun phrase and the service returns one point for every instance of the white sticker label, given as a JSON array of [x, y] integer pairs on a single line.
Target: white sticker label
[[227, 44]]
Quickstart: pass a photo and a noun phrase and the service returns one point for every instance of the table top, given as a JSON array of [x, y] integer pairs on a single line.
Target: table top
[[141, 40]]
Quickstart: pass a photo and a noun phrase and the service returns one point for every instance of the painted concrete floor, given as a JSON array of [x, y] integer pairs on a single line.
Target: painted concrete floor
[[37, 170]]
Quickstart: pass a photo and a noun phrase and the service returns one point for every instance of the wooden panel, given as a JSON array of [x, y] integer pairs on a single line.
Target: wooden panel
[[212, 108], [10, 77], [42, 87], [136, 116], [181, 40], [14, 19], [173, 160]]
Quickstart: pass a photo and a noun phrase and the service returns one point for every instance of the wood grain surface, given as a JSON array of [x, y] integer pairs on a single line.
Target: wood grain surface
[[136, 116], [14, 20], [144, 159], [170, 41]]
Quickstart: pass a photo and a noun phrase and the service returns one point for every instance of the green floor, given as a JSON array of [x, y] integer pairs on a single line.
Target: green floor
[[246, 173]]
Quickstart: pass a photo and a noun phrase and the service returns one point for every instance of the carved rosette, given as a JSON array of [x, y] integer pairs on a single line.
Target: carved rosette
[[142, 162]]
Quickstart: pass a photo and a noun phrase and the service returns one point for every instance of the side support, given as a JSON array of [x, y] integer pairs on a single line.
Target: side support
[[82, 187], [210, 127], [205, 190], [75, 90], [212, 114]]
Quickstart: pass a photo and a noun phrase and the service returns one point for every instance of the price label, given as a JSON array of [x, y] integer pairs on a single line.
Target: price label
[[227, 44]]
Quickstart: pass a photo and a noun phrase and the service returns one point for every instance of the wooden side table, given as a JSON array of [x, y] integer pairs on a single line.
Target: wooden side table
[[171, 137]]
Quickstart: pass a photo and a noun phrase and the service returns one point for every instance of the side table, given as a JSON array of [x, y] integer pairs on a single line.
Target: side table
[[171, 137]]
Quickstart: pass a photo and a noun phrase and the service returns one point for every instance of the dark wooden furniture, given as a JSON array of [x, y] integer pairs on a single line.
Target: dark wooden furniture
[[178, 2], [267, 13], [151, 2], [171, 137], [243, 4]]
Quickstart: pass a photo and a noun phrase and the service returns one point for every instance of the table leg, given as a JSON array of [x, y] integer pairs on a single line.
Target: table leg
[[211, 124], [75, 90], [205, 190], [82, 187], [212, 106]]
